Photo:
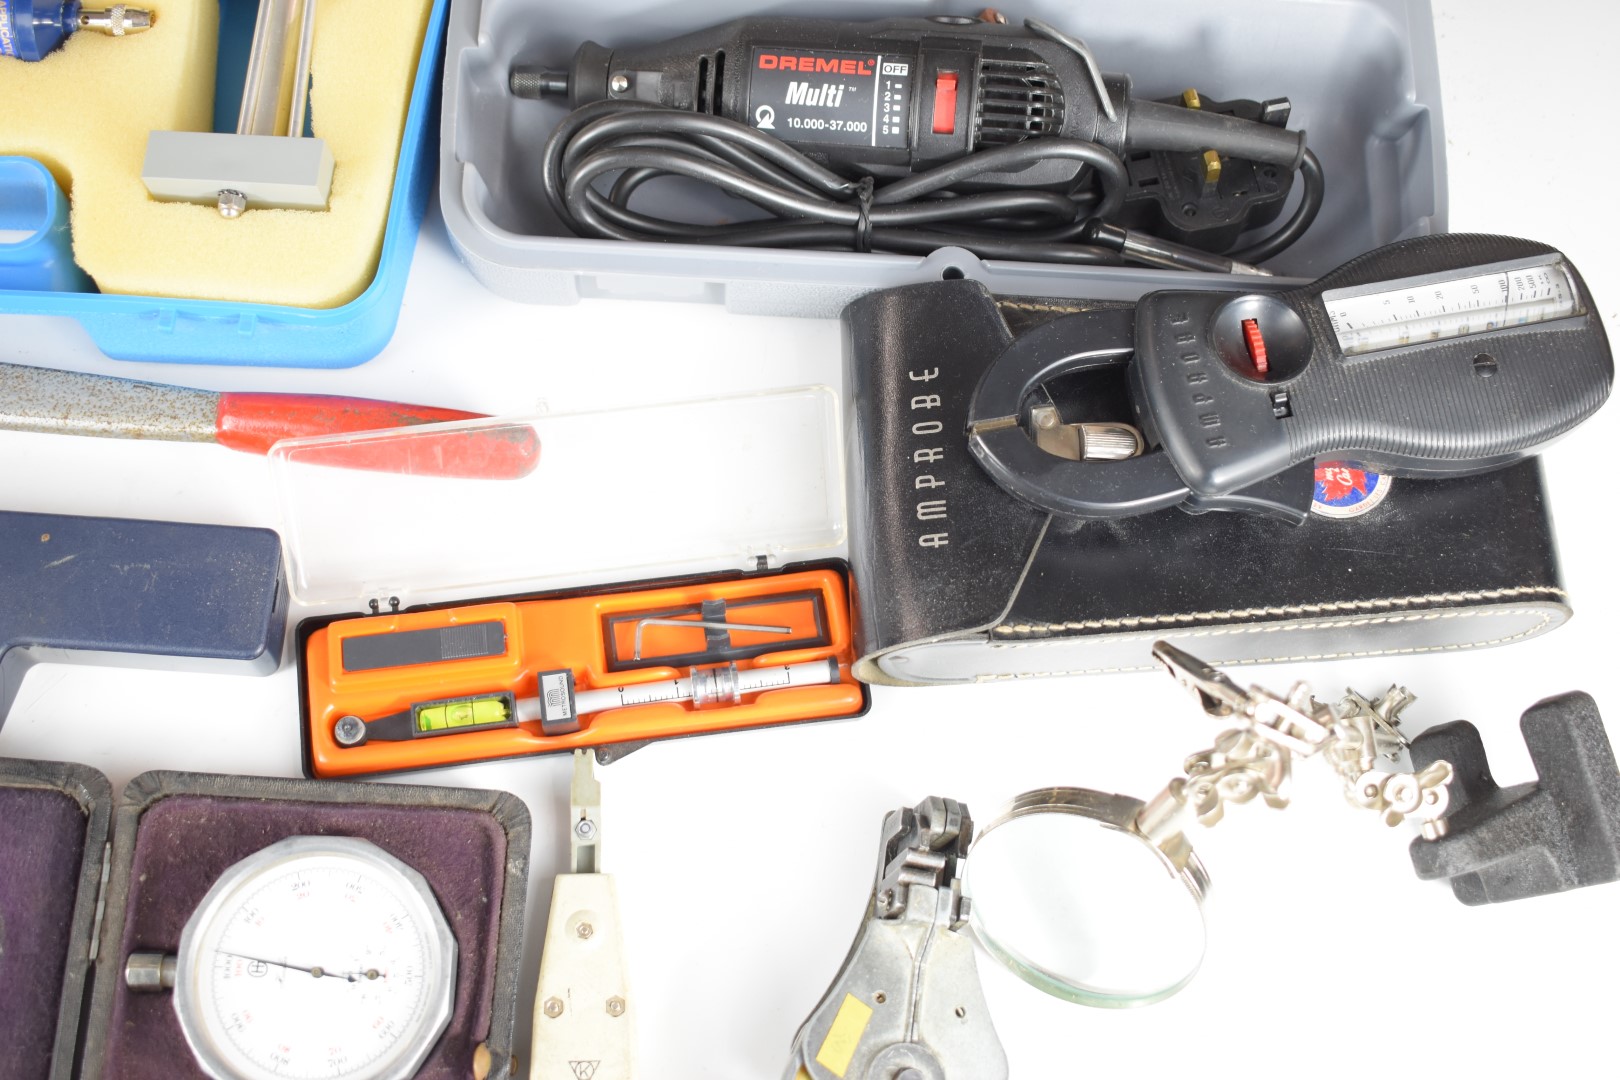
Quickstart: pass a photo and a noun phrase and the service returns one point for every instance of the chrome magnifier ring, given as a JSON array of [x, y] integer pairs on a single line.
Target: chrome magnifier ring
[[1093, 897]]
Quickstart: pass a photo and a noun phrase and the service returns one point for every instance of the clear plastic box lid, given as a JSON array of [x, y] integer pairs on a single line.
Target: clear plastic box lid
[[487, 507]]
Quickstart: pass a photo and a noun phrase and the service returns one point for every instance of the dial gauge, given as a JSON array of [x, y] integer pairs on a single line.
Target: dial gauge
[[317, 958], [1474, 300]]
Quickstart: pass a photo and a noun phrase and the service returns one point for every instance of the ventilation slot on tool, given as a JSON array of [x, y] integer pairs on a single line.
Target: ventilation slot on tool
[[1018, 100], [711, 76]]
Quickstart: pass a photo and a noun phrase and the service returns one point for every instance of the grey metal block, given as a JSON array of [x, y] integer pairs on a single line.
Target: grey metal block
[[271, 171]]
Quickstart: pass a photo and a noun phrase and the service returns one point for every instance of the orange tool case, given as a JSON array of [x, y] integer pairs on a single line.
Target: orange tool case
[[424, 671]]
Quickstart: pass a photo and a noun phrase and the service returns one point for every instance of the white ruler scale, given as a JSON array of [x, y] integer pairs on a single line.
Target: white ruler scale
[[1390, 314]]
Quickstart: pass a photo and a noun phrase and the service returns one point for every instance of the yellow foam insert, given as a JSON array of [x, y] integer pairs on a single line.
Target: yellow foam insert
[[85, 112], [87, 106]]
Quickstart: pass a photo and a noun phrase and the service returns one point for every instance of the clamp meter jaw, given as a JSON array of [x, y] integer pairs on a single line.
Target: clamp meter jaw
[[1439, 356]]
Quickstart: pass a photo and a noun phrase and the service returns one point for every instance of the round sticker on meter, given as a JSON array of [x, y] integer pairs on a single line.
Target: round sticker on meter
[[1347, 489]]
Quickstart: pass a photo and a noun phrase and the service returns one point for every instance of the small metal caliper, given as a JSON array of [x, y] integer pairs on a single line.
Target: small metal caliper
[[907, 1005]]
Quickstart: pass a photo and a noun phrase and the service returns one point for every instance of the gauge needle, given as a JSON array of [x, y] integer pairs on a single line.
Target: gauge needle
[[317, 972]]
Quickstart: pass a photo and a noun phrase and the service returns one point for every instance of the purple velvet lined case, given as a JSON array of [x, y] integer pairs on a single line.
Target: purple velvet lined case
[[53, 828], [177, 832]]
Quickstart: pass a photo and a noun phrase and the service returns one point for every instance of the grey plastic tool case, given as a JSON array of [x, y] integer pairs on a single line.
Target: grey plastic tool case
[[1362, 76]]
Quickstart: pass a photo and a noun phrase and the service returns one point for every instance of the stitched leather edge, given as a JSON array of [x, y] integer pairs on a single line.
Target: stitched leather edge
[[1545, 619], [1022, 305], [1132, 622]]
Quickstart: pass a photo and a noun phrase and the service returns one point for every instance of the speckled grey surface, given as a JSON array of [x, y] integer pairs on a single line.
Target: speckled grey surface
[[70, 403]]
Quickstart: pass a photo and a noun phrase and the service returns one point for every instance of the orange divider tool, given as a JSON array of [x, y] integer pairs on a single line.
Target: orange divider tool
[[625, 664]]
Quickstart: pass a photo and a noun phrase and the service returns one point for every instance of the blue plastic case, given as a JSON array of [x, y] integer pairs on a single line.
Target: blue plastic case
[[170, 330], [32, 204]]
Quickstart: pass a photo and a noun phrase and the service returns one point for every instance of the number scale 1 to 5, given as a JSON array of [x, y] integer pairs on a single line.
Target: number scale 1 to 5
[[1391, 314]]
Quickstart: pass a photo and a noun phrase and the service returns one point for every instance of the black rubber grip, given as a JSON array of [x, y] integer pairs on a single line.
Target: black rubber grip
[[1445, 407], [1153, 125]]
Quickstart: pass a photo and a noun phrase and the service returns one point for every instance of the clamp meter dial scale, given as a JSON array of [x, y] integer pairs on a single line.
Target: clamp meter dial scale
[[1434, 357], [1371, 318]]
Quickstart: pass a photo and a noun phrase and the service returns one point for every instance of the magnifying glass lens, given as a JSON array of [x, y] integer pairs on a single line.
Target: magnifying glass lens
[[1084, 909]]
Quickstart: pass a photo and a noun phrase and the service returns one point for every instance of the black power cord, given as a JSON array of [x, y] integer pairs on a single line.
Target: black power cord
[[813, 207], [1310, 172]]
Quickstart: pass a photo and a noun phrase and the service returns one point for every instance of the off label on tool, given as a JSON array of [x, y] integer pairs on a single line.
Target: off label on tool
[[828, 96]]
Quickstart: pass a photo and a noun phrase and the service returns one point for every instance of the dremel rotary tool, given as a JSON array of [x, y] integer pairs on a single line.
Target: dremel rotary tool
[[32, 29], [910, 134]]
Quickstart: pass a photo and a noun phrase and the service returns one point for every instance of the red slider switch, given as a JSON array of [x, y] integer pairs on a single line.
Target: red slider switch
[[945, 103], [1257, 345]]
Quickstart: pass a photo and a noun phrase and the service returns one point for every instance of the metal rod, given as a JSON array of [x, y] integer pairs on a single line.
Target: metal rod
[[703, 624], [251, 83], [300, 97], [266, 89]]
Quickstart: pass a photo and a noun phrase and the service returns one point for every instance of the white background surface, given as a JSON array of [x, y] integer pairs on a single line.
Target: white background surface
[[744, 861]]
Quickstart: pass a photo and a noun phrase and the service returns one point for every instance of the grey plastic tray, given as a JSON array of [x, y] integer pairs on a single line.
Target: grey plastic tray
[[1362, 75]]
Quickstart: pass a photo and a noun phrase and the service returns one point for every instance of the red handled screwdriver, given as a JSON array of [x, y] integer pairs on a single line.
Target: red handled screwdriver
[[72, 403]]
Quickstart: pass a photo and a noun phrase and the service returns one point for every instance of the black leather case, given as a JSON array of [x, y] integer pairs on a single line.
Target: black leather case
[[955, 579]]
